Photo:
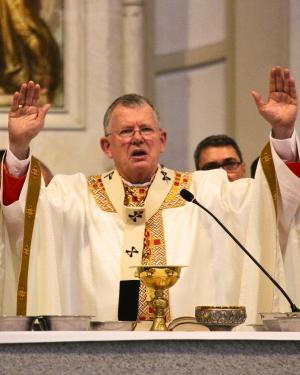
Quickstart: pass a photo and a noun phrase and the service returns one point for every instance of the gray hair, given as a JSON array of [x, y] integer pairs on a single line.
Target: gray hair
[[128, 100]]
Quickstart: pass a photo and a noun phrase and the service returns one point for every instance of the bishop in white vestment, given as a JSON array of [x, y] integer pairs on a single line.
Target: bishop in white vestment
[[82, 236]]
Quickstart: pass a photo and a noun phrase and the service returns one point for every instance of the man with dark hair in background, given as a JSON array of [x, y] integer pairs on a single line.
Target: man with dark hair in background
[[220, 151]]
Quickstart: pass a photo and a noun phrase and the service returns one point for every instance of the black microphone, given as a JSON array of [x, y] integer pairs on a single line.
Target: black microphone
[[188, 196]]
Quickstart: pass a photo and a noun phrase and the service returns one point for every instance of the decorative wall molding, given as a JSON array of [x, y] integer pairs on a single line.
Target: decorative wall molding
[[190, 58], [133, 46]]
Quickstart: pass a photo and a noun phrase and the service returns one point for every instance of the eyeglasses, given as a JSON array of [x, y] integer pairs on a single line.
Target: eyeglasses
[[145, 131], [229, 165]]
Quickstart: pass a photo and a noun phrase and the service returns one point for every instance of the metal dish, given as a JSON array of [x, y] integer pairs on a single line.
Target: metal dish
[[65, 322], [186, 323], [15, 323], [289, 323], [270, 320], [112, 326]]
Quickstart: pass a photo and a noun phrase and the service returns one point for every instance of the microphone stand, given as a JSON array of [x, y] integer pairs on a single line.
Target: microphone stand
[[188, 196]]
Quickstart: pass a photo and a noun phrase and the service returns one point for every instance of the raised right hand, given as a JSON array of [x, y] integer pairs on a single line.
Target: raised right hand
[[280, 109], [26, 119]]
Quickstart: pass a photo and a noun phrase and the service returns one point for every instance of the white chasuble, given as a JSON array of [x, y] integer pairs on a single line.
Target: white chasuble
[[84, 235]]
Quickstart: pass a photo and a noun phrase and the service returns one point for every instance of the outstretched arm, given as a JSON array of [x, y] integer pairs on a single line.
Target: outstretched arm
[[26, 119], [280, 109]]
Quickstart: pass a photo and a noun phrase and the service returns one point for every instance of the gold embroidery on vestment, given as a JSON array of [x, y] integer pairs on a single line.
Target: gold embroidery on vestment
[[269, 171], [33, 192], [154, 241], [135, 196], [96, 187]]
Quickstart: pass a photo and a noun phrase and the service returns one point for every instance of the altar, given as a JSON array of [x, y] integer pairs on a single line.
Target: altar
[[121, 352]]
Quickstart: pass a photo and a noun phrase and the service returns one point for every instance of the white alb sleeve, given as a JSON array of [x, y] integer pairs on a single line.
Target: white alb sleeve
[[15, 166]]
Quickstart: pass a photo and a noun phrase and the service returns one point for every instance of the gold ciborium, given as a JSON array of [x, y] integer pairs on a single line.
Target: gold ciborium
[[159, 278], [220, 318]]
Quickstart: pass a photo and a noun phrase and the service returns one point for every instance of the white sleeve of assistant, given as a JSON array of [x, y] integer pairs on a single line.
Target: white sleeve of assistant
[[289, 184], [15, 166], [286, 149]]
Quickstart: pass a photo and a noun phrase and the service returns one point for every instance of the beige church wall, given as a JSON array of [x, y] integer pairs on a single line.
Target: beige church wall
[[260, 41], [190, 93], [188, 24], [191, 106]]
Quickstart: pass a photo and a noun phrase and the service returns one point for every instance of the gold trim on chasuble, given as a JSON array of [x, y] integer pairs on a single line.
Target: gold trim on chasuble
[[154, 251], [32, 197], [269, 172]]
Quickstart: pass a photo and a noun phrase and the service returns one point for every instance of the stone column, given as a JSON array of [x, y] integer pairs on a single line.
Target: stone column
[[133, 46]]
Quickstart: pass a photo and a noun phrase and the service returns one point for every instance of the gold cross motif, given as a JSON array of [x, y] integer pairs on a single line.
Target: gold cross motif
[[26, 250], [266, 157], [30, 211], [21, 293], [35, 171]]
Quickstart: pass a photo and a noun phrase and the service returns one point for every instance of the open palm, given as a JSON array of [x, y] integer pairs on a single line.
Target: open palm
[[26, 118], [280, 110]]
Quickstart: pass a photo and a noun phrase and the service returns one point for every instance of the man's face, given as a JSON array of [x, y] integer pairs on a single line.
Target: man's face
[[213, 157], [135, 142]]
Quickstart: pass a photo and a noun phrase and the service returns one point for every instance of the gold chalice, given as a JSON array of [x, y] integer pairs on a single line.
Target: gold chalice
[[159, 278]]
